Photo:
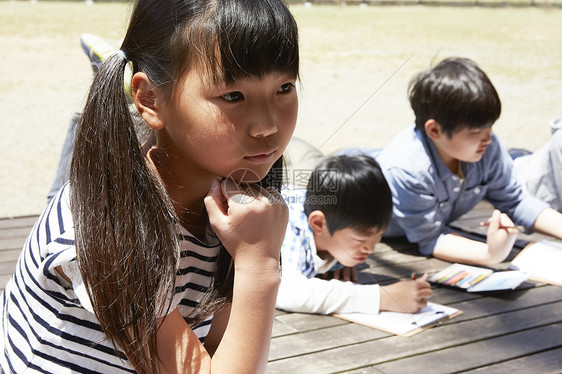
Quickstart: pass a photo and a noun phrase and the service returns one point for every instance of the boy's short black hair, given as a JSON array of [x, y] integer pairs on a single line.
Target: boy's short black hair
[[351, 191], [457, 94]]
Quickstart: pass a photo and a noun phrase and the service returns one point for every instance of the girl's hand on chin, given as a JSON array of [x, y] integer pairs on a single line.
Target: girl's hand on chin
[[249, 220]]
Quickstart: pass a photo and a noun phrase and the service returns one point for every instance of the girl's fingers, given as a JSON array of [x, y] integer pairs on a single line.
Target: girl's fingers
[[245, 193], [233, 191], [242, 193], [215, 200]]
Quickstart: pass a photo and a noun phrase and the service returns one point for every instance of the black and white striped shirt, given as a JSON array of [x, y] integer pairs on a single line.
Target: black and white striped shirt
[[47, 324]]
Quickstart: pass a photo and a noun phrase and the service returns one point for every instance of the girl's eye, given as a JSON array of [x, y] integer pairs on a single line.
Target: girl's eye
[[233, 96], [286, 88]]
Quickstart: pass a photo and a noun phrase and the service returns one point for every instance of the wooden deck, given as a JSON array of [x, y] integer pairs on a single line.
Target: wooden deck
[[518, 331]]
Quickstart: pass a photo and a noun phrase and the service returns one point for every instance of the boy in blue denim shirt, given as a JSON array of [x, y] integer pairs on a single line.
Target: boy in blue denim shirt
[[445, 164]]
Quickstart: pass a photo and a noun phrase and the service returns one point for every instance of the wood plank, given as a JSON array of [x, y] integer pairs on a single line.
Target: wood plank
[[16, 222], [4, 278], [544, 362], [511, 301], [280, 329], [11, 243], [319, 340], [368, 370], [474, 355], [7, 268], [6, 271], [9, 255], [448, 296], [302, 322], [548, 362], [450, 334], [15, 232]]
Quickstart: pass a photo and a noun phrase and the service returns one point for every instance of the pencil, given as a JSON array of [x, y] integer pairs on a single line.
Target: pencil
[[519, 228]]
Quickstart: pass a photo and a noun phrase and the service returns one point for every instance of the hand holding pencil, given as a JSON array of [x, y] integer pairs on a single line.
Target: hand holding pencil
[[518, 228], [406, 296], [501, 235]]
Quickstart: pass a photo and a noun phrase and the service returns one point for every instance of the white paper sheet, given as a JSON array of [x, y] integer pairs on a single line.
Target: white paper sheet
[[543, 260], [402, 323]]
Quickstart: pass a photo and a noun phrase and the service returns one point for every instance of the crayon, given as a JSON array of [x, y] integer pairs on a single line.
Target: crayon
[[478, 279], [456, 278], [467, 280], [448, 275]]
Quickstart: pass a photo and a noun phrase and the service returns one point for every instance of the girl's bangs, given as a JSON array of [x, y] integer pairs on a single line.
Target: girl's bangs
[[251, 38]]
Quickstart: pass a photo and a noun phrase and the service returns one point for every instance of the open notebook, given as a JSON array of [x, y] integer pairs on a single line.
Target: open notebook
[[543, 260], [404, 324]]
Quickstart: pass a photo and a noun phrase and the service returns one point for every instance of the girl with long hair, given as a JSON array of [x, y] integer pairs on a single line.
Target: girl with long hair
[[161, 255]]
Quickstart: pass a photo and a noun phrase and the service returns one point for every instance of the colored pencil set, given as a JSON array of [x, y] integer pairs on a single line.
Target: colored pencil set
[[459, 275]]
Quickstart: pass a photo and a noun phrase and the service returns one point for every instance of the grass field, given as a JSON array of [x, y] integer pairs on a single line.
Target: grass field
[[356, 64]]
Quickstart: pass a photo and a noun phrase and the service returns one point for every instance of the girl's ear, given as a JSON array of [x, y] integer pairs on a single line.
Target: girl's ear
[[317, 222], [144, 98], [433, 129]]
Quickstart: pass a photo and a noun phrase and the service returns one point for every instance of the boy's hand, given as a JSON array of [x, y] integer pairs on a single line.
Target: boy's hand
[[346, 274], [406, 296], [250, 221], [500, 238]]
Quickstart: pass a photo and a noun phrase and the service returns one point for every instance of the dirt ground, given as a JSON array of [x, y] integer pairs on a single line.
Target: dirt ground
[[362, 105]]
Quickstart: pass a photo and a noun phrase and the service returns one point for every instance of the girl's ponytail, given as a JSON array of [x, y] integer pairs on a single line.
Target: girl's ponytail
[[125, 241]]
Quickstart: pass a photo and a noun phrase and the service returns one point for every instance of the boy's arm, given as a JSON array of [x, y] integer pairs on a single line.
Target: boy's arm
[[300, 294], [499, 241], [419, 214], [297, 293], [456, 248], [549, 222]]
